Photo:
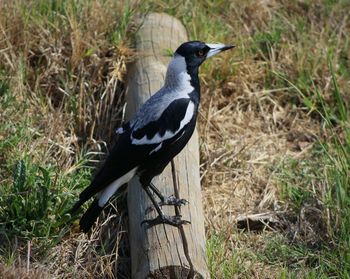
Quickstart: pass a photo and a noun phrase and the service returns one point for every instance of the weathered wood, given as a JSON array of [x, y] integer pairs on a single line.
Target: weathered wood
[[164, 251]]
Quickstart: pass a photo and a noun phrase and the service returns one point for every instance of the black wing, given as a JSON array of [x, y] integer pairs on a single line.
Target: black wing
[[169, 121]]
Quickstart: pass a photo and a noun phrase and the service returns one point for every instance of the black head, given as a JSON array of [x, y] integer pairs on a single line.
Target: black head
[[196, 52]]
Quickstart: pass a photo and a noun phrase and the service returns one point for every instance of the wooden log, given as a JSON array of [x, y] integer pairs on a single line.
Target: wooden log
[[164, 251]]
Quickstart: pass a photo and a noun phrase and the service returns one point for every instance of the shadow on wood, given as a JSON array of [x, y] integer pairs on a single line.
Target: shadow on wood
[[164, 251]]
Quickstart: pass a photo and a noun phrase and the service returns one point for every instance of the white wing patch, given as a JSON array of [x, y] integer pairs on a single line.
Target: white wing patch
[[109, 191], [168, 134]]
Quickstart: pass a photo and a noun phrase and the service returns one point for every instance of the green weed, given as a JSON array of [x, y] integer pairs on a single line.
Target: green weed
[[324, 177], [220, 263], [35, 204]]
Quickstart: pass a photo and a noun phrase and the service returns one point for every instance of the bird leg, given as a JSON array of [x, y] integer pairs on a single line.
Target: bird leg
[[162, 218], [155, 204]]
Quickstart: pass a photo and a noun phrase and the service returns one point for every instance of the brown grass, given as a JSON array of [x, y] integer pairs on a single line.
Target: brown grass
[[17, 272], [70, 76], [245, 132], [97, 255]]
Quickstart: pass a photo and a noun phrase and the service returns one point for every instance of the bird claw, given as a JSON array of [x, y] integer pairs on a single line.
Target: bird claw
[[171, 200], [175, 221]]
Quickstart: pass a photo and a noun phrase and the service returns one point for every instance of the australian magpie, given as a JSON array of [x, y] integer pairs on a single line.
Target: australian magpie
[[158, 132]]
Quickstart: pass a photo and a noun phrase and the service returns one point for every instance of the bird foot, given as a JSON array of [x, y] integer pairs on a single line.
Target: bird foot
[[175, 221], [171, 200]]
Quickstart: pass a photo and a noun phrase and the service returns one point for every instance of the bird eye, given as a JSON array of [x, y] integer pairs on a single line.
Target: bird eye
[[200, 53]]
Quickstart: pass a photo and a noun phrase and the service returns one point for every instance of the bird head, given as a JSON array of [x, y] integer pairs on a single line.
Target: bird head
[[183, 68], [196, 52]]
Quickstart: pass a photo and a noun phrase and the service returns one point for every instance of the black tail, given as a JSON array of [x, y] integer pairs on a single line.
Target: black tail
[[83, 197], [90, 216], [75, 207]]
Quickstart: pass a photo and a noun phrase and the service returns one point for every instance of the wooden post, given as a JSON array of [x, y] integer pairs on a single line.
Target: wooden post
[[164, 251]]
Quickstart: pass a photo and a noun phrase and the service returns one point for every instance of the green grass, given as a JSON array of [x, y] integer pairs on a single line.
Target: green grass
[[218, 261], [34, 196], [37, 200], [321, 180]]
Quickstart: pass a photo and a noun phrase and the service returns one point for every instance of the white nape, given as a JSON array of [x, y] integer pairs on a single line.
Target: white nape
[[177, 78]]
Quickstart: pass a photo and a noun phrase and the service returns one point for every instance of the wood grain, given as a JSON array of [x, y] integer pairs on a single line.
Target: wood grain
[[164, 251]]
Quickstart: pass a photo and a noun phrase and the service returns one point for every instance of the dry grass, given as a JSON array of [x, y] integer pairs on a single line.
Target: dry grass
[[65, 76], [245, 139], [65, 65], [247, 131], [23, 273], [98, 255], [251, 122]]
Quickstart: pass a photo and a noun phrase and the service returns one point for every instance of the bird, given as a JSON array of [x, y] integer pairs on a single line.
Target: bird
[[159, 130]]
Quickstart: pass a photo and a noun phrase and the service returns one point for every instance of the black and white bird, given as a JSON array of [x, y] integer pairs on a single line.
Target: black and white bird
[[158, 132]]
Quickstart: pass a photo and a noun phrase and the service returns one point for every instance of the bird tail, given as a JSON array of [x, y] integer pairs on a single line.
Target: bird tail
[[83, 197], [75, 207], [90, 216]]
